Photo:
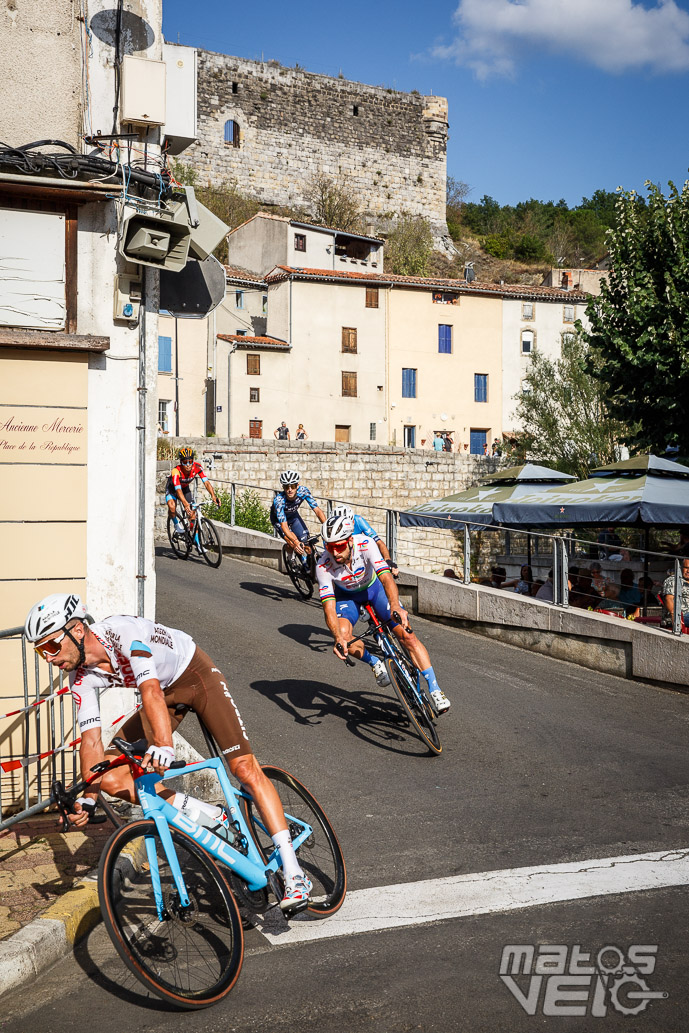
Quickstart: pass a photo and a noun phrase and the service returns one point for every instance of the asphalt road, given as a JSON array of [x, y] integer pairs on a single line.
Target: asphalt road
[[543, 762]]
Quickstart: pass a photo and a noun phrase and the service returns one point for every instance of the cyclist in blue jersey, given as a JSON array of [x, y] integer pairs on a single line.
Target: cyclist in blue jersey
[[284, 513], [362, 526], [351, 572]]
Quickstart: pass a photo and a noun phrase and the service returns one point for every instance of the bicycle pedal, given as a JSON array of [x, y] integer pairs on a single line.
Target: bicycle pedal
[[290, 912]]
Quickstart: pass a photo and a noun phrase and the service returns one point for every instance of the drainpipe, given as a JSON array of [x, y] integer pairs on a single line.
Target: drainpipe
[[230, 353], [176, 381], [141, 449]]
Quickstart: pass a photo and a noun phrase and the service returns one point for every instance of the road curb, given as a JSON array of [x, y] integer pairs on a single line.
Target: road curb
[[47, 939]]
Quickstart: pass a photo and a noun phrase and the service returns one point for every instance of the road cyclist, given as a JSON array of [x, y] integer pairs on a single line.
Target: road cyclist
[[172, 675], [362, 526], [284, 513], [178, 489], [351, 573]]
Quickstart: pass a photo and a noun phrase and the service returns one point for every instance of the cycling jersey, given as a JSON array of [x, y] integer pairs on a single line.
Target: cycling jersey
[[182, 479], [284, 509], [138, 649], [365, 564], [362, 526]]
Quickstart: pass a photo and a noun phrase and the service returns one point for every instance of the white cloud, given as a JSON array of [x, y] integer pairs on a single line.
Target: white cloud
[[616, 36]]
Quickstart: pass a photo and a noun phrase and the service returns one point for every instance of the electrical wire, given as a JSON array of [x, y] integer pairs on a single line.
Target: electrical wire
[[66, 163]]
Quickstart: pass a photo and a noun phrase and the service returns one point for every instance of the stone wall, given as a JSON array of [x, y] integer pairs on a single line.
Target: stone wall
[[370, 477], [388, 147]]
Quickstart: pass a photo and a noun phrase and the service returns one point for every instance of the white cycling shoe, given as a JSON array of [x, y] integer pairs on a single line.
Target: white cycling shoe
[[382, 676], [440, 700], [297, 889]]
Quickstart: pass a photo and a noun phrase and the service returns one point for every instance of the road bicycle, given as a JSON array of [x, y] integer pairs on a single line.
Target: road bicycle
[[201, 536], [169, 888], [301, 574], [408, 682]]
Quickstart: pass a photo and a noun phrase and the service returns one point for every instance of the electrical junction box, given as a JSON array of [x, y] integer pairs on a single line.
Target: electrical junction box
[[179, 130], [127, 300], [142, 91]]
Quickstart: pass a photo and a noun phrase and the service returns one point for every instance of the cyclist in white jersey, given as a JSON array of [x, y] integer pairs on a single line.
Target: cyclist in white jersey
[[172, 675], [351, 572]]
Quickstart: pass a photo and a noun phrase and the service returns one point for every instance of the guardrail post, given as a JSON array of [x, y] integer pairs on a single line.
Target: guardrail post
[[233, 501], [556, 573], [329, 507], [565, 574], [391, 533], [677, 595], [467, 555]]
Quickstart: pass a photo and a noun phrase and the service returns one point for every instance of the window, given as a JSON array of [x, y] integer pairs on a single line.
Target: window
[[371, 297], [264, 305], [241, 332], [569, 312], [408, 383], [164, 416], [253, 365], [478, 440], [239, 299], [349, 339], [342, 432], [526, 387], [372, 432], [568, 339], [300, 242], [355, 109], [445, 298], [480, 387], [527, 342], [527, 310], [444, 338], [235, 87], [165, 355], [231, 133], [349, 385], [254, 394], [409, 436]]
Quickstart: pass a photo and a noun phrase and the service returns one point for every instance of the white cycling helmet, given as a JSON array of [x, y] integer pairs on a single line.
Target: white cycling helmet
[[52, 614], [289, 477], [337, 529], [343, 511]]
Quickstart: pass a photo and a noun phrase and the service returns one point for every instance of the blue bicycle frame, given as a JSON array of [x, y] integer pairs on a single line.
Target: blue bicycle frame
[[250, 867]]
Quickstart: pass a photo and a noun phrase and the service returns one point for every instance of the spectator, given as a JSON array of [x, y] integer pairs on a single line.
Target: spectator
[[681, 548], [282, 433], [667, 593], [522, 585], [447, 443], [438, 442], [585, 596], [498, 575], [609, 542], [496, 448], [649, 595], [629, 595], [546, 589], [449, 572], [600, 582], [301, 434], [485, 448]]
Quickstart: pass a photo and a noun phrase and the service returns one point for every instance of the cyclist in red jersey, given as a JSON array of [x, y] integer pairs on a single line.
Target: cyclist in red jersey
[[178, 486]]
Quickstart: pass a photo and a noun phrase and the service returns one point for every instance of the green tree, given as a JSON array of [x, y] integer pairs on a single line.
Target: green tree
[[639, 326], [564, 412], [409, 246], [332, 203]]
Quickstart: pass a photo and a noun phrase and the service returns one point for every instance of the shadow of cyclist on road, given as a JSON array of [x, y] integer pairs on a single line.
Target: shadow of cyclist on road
[[318, 639], [276, 593]]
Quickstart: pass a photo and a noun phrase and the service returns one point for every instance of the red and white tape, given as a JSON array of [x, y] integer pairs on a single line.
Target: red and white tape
[[23, 762], [36, 703]]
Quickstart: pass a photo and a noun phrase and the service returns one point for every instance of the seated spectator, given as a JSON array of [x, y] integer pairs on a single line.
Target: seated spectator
[[629, 596], [648, 591], [586, 597], [546, 589], [598, 579], [524, 583], [609, 542], [449, 572], [667, 594], [498, 575]]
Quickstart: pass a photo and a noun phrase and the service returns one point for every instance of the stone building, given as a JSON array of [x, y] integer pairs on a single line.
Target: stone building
[[272, 129]]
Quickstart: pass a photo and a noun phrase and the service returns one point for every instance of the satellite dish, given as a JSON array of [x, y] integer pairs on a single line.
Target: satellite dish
[[194, 291]]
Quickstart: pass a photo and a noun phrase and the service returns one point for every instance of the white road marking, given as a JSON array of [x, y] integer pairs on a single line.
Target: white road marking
[[416, 903]]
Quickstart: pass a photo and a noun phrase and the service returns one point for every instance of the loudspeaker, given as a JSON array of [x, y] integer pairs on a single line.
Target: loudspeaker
[[207, 230], [158, 238], [195, 291]]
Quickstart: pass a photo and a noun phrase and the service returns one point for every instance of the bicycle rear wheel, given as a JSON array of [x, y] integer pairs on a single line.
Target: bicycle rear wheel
[[298, 574], [194, 955], [320, 855], [209, 543], [180, 546], [403, 674]]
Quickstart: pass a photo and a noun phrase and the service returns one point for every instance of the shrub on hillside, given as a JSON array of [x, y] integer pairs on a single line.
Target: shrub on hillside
[[249, 511]]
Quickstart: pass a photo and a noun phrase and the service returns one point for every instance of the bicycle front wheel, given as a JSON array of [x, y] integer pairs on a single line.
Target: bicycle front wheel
[[403, 675], [181, 546], [194, 955], [298, 574], [209, 543], [320, 855]]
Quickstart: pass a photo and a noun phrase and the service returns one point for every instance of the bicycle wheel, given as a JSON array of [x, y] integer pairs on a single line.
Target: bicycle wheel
[[209, 543], [298, 574], [180, 546], [194, 955], [403, 675], [320, 855]]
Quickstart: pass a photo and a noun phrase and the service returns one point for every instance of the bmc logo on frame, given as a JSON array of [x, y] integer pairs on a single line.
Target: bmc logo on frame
[[554, 979]]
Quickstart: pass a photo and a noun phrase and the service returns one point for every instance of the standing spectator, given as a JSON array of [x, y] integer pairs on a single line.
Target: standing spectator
[[301, 433], [282, 433], [447, 443], [496, 448], [667, 593], [485, 448], [438, 442]]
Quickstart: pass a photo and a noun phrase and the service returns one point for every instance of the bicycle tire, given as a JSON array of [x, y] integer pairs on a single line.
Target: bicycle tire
[[320, 855], [204, 946], [180, 546], [209, 543], [302, 581], [403, 675]]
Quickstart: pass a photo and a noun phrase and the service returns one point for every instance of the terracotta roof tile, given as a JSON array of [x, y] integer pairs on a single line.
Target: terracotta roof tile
[[235, 272], [255, 342]]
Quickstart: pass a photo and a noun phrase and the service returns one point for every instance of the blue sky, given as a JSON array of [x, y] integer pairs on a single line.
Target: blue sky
[[547, 98]]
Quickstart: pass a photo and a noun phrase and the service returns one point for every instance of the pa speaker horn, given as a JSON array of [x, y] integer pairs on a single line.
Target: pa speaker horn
[[195, 291], [160, 238]]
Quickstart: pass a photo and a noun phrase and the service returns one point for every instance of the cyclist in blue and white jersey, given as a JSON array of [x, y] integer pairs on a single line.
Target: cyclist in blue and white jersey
[[351, 572], [362, 526], [284, 513]]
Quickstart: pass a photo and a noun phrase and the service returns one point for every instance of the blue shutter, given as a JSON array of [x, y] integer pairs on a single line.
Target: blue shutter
[[165, 355], [444, 338], [229, 131], [477, 439], [480, 387], [408, 383]]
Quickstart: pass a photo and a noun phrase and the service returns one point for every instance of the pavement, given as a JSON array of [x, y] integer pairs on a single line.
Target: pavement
[[48, 894]]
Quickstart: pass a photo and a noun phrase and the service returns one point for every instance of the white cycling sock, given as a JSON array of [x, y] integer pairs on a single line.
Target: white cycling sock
[[290, 865]]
